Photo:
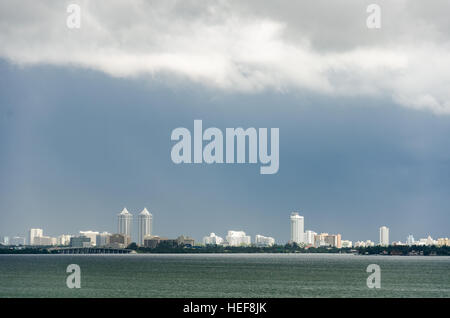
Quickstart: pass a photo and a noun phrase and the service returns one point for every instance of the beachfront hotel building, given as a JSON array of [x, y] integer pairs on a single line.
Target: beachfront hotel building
[[297, 228]]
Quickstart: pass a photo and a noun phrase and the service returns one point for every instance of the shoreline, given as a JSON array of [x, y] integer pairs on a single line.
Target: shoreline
[[229, 250]]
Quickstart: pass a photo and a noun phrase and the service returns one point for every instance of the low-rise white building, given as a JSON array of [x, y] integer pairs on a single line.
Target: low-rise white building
[[261, 240], [443, 241], [426, 241], [346, 244], [367, 243], [45, 240], [212, 239], [17, 240], [237, 238]]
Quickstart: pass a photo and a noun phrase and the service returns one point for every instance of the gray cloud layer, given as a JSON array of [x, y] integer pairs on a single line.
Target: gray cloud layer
[[320, 46]]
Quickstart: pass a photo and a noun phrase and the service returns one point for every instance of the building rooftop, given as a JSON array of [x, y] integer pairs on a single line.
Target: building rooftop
[[124, 212], [145, 212]]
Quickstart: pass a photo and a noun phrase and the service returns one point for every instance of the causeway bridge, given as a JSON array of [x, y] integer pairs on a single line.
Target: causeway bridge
[[90, 250]]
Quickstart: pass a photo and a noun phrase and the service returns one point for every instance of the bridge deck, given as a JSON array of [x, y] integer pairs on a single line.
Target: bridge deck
[[90, 250]]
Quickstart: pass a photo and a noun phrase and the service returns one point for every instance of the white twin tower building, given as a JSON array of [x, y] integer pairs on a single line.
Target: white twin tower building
[[145, 222]]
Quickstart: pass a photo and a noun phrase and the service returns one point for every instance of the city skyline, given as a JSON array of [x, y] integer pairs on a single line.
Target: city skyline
[[408, 191], [213, 151], [86, 117], [298, 234]]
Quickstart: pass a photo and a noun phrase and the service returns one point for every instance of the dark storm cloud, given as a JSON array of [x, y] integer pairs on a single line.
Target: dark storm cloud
[[321, 46]]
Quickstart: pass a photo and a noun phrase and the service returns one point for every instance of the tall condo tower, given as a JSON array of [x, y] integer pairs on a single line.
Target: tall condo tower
[[297, 228], [384, 236], [33, 234], [125, 218], [145, 219]]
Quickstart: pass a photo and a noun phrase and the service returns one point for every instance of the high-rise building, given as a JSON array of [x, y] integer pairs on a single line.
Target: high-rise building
[[63, 239], [384, 236], [145, 219], [319, 239], [92, 235], [124, 225], [410, 240], [5, 240], [33, 234], [212, 239], [325, 239], [103, 239], [264, 240], [309, 237], [333, 240], [119, 240], [80, 241], [297, 228], [44, 240], [238, 238]]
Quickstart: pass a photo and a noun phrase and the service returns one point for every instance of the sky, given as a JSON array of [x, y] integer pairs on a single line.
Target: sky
[[364, 116]]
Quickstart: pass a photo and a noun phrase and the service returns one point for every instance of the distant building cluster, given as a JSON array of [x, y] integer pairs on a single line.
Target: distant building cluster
[[238, 238], [429, 241], [89, 238], [121, 239], [146, 238], [311, 238], [15, 240], [154, 241]]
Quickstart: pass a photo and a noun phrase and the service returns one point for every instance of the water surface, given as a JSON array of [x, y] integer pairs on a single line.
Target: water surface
[[224, 275]]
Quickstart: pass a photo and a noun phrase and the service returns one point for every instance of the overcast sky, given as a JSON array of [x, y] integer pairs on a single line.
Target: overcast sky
[[364, 115]]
